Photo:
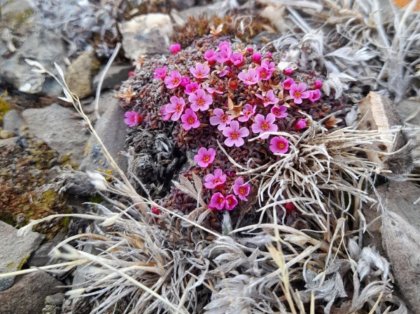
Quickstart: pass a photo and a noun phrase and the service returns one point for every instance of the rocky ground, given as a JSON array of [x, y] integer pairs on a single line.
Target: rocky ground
[[46, 147]]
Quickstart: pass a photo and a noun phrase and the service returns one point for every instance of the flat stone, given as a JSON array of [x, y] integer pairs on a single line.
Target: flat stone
[[146, 34], [12, 121], [27, 296], [112, 130], [59, 127], [80, 74], [15, 251], [113, 77], [401, 237]]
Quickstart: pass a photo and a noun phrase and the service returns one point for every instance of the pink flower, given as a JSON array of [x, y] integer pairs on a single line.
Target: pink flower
[[288, 71], [279, 111], [318, 84], [314, 95], [249, 49], [223, 56], [185, 80], [191, 88], [249, 77], [264, 124], [155, 210], [212, 90], [214, 180], [237, 58], [301, 124], [166, 115], [217, 201], [230, 202], [200, 100], [220, 118], [279, 145], [223, 71], [189, 120], [287, 83], [224, 53], [210, 56], [173, 80], [175, 48], [289, 207], [235, 134], [268, 98], [241, 189], [225, 45], [266, 69], [160, 73], [256, 57], [175, 107], [132, 118], [200, 71], [205, 157], [247, 112], [298, 92]]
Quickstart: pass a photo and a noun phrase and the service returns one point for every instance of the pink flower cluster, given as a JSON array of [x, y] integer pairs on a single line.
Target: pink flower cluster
[[225, 198], [237, 93]]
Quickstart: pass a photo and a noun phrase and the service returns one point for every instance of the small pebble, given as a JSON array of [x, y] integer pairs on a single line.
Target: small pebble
[[6, 134]]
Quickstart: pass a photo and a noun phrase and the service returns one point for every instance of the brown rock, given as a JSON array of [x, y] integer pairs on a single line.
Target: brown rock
[[27, 295], [80, 74]]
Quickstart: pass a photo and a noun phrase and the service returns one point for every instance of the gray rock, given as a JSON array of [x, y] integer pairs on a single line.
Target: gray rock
[[15, 251], [409, 109], [401, 237], [53, 304], [55, 299], [114, 76], [41, 256], [217, 9], [27, 296], [80, 74], [392, 152], [146, 34], [41, 45], [59, 127], [22, 37], [112, 130], [12, 121], [182, 4]]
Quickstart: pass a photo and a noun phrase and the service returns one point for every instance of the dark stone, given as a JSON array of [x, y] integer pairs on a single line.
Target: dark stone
[[27, 296]]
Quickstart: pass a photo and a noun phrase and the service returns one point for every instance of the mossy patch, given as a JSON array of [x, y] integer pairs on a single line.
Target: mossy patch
[[15, 19], [27, 190]]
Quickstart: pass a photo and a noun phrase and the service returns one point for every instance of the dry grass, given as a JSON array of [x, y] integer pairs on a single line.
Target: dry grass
[[170, 263]]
